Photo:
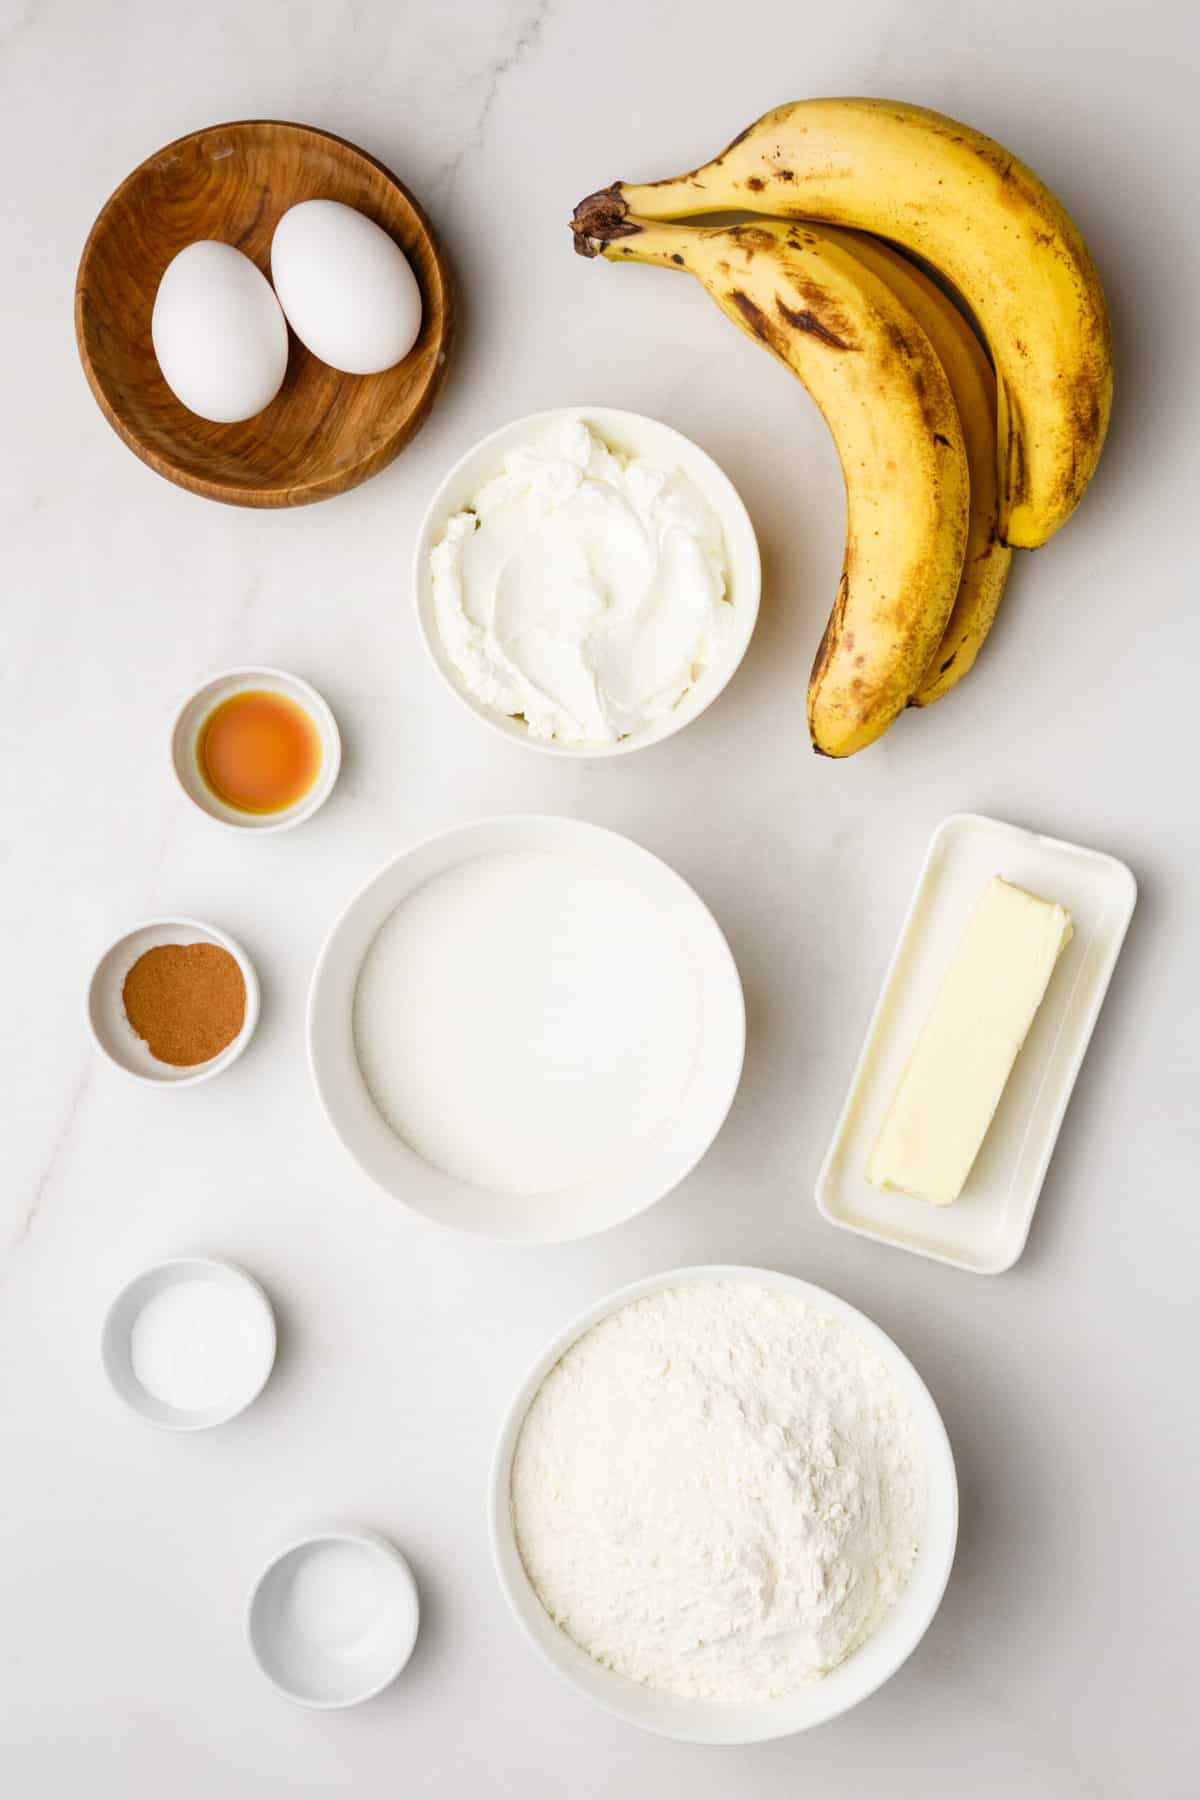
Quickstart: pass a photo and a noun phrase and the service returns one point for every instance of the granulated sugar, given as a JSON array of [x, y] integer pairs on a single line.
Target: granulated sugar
[[526, 1021]]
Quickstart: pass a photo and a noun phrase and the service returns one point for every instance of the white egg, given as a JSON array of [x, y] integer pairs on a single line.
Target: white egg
[[219, 336], [347, 289]]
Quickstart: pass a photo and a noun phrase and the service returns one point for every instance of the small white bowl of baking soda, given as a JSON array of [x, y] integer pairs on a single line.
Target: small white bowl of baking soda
[[333, 1618]]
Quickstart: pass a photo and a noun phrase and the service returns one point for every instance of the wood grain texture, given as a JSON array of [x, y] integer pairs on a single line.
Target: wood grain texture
[[324, 432]]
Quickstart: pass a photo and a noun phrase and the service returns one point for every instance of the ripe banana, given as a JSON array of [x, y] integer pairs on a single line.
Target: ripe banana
[[987, 560], [978, 216], [873, 373]]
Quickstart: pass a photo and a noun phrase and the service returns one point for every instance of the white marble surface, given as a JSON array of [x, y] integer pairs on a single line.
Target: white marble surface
[[1061, 1662]]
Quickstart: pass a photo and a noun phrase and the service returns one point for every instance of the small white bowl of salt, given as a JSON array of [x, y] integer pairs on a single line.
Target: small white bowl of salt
[[189, 1343]]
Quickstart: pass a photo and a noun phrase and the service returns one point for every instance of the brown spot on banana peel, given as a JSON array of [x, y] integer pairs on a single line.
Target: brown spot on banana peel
[[949, 663], [817, 300], [757, 321], [1085, 406], [751, 238], [1013, 470], [768, 333], [825, 649], [898, 339], [808, 322]]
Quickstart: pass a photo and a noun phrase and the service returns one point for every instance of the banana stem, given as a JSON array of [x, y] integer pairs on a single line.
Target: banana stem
[[604, 226]]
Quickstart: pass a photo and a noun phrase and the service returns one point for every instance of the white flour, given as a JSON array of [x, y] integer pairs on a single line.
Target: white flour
[[526, 1021], [719, 1492]]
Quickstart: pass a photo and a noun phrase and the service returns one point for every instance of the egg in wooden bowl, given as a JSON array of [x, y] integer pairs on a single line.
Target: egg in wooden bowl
[[325, 430]]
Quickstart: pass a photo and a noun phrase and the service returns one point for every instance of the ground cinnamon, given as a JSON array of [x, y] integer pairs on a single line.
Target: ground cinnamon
[[188, 1001]]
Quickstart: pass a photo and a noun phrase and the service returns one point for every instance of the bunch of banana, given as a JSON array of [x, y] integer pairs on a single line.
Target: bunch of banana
[[933, 509]]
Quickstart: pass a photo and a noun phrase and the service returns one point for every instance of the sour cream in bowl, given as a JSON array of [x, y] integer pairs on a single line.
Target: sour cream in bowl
[[587, 581]]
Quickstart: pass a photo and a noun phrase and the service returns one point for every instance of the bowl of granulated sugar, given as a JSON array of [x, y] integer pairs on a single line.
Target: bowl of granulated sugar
[[527, 1028]]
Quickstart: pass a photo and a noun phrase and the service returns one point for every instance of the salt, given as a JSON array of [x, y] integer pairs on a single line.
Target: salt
[[194, 1344]]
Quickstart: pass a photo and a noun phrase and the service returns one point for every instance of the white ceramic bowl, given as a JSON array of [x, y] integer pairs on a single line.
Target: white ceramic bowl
[[564, 1213], [135, 1295], [333, 1618], [189, 722], [115, 1036], [635, 435], [705, 1722]]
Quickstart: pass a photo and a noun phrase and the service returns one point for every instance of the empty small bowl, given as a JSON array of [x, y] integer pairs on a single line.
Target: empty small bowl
[[250, 1353], [199, 707], [115, 1036], [333, 1618]]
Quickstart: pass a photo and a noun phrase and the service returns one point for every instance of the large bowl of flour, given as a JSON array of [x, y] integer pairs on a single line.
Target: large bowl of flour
[[723, 1505], [528, 1028]]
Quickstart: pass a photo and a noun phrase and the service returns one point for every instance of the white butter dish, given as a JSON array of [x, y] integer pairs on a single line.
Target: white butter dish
[[986, 1228]]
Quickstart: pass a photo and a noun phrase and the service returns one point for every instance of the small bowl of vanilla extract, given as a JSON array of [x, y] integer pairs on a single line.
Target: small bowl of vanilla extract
[[256, 749]]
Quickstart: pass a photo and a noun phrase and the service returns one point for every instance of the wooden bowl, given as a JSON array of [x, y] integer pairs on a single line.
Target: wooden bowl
[[324, 432]]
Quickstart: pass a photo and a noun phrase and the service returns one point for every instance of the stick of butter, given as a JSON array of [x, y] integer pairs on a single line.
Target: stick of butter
[[950, 1090]]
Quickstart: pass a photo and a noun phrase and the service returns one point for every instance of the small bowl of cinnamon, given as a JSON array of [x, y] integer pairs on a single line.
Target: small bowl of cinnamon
[[173, 1002]]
